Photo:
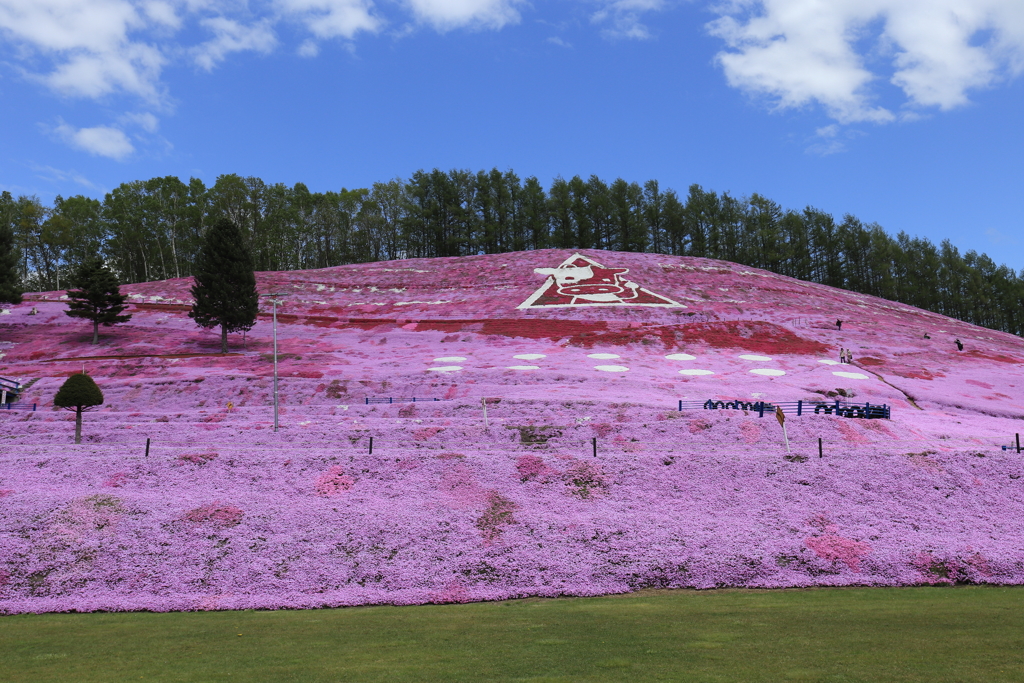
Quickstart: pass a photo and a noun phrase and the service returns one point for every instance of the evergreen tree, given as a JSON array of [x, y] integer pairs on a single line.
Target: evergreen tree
[[10, 283], [225, 285], [98, 297], [78, 393]]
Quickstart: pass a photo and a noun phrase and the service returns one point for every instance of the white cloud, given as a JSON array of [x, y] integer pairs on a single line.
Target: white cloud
[[101, 141], [162, 13], [88, 42], [836, 52], [232, 36], [143, 120], [623, 18], [308, 48], [1001, 239], [56, 175], [333, 18], [449, 14]]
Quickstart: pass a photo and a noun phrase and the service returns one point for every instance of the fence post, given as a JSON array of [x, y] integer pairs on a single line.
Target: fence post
[[680, 405], [760, 409], [371, 446], [147, 446], [367, 400], [799, 408], [1018, 443], [819, 447], [595, 446]]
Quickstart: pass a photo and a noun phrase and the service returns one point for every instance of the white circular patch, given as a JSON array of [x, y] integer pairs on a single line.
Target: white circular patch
[[445, 368], [449, 359], [530, 356], [602, 356], [695, 372], [750, 356], [850, 375], [680, 356], [611, 368], [768, 372], [829, 362], [523, 367]]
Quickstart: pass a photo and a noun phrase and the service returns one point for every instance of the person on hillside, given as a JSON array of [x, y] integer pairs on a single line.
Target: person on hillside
[[849, 356], [926, 336], [842, 355], [959, 345]]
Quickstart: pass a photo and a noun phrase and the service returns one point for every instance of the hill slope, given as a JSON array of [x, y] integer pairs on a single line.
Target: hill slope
[[567, 347]]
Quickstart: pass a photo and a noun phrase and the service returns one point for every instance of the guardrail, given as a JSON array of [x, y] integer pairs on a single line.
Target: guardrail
[[869, 411], [18, 406], [370, 400]]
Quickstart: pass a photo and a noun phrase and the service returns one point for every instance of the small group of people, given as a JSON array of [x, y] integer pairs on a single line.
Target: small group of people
[[845, 355]]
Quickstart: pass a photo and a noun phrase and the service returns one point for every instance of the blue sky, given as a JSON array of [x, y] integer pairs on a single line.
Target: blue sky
[[903, 112]]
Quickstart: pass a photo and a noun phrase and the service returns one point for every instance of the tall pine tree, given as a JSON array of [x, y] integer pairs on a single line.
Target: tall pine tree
[[10, 283], [97, 297], [225, 284]]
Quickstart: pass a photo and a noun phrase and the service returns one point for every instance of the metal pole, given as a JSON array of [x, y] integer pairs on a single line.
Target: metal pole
[[819, 447], [274, 301], [371, 446], [595, 446], [1018, 443], [147, 446]]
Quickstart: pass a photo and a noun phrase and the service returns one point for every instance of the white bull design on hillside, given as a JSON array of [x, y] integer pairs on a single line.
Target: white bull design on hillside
[[592, 283]]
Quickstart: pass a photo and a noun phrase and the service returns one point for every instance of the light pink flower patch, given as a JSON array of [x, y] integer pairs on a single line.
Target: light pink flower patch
[[980, 564], [197, 458], [453, 592], [585, 480], [216, 514], [532, 468], [751, 432], [935, 570], [116, 480], [427, 433], [698, 425], [6, 492], [834, 548], [333, 482]]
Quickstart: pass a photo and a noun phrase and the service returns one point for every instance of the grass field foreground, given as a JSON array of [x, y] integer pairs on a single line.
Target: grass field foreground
[[835, 635]]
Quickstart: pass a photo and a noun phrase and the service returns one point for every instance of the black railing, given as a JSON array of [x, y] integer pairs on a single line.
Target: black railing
[[400, 400], [870, 411]]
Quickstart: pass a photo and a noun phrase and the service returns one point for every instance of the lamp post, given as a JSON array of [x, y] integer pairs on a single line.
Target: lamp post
[[275, 302]]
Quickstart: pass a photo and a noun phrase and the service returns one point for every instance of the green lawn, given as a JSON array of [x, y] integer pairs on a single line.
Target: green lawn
[[877, 634]]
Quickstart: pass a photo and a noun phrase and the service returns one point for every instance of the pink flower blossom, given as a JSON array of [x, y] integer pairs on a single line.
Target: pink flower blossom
[[837, 548], [333, 482]]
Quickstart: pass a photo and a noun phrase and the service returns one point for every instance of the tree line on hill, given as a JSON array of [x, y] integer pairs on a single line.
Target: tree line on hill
[[154, 230]]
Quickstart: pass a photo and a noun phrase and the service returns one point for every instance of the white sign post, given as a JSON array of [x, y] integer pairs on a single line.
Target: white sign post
[[782, 421]]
